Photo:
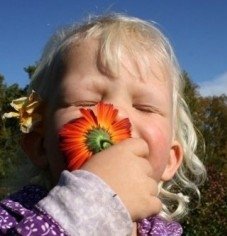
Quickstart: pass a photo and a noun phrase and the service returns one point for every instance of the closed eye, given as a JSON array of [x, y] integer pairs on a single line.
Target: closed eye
[[85, 103], [78, 104], [148, 109]]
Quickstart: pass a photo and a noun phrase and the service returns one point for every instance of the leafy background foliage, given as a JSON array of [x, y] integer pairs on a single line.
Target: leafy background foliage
[[210, 118]]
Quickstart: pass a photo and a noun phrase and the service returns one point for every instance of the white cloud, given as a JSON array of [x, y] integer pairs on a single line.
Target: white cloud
[[214, 87]]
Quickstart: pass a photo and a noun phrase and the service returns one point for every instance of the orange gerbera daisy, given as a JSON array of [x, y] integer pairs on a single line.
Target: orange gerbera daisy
[[89, 134]]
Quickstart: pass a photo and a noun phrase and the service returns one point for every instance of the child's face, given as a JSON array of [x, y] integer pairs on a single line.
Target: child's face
[[147, 103]]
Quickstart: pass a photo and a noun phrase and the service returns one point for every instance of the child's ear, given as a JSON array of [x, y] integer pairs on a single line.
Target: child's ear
[[175, 160], [32, 145]]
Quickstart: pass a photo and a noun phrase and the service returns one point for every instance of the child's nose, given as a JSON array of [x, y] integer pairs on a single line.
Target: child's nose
[[127, 112], [122, 112]]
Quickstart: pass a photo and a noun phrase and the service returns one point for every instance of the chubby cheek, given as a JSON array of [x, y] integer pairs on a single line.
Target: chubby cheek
[[51, 140], [159, 141], [65, 115], [56, 121]]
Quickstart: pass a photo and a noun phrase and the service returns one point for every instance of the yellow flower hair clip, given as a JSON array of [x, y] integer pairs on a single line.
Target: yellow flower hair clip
[[27, 111]]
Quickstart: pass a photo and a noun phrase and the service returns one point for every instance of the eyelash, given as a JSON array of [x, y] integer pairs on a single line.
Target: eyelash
[[141, 108], [85, 104], [147, 109]]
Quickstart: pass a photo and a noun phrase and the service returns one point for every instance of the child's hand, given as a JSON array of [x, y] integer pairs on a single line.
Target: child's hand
[[125, 169]]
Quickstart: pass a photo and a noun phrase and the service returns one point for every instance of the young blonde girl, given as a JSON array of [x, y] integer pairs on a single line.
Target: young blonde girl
[[129, 63]]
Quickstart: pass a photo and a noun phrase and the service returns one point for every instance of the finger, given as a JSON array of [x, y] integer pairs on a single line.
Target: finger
[[136, 145], [153, 207], [152, 186]]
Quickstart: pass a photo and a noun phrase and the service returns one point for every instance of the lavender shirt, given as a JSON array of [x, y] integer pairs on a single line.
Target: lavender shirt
[[81, 204]]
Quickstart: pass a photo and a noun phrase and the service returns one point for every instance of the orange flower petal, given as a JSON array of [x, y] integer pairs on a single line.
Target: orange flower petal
[[121, 130], [106, 115], [73, 136], [89, 116]]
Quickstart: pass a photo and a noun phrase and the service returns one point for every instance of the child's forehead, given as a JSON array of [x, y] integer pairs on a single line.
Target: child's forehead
[[142, 65]]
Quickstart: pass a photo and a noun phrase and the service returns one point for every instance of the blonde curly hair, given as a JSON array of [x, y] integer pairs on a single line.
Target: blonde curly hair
[[141, 39]]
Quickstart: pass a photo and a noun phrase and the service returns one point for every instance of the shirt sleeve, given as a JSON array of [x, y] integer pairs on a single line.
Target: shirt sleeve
[[18, 216], [83, 204]]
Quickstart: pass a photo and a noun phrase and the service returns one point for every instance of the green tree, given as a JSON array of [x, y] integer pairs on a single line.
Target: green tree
[[9, 131], [191, 93], [210, 117], [2, 95], [214, 110], [30, 70]]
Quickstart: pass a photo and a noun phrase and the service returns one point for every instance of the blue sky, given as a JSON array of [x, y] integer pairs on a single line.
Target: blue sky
[[196, 28]]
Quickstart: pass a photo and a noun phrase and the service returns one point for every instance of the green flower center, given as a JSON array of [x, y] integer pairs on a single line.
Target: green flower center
[[98, 139]]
